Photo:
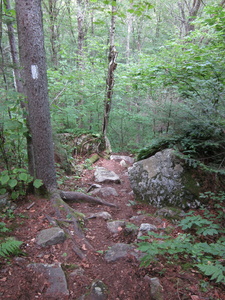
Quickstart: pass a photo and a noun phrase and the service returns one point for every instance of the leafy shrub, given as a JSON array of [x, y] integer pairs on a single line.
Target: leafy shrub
[[194, 246], [16, 182]]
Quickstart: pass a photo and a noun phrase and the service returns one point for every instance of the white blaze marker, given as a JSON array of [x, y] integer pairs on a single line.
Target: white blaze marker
[[34, 71]]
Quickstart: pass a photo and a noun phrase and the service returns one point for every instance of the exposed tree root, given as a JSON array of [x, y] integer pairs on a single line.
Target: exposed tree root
[[67, 217], [80, 197]]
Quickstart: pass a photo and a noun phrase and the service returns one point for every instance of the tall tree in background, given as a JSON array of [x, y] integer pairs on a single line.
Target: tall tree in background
[[33, 62], [110, 76], [53, 9], [192, 8]]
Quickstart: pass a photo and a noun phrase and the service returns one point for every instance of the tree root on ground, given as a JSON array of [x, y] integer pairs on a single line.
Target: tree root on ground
[[66, 216], [80, 197]]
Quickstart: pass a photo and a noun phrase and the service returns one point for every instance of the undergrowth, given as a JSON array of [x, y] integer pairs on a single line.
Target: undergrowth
[[201, 245], [8, 245]]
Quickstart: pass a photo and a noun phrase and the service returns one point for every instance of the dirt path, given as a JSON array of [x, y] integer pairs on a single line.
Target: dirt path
[[124, 279]]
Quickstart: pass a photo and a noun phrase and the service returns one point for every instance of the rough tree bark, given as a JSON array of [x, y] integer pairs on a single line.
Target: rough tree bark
[[33, 62], [18, 83]]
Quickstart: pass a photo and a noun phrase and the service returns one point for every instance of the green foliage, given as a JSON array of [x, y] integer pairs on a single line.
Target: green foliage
[[16, 182], [200, 224], [207, 256], [10, 247], [3, 227], [215, 271]]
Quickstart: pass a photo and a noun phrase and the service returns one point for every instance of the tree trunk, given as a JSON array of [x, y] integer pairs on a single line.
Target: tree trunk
[[18, 84], [53, 12], [192, 14], [33, 62], [110, 76], [81, 34]]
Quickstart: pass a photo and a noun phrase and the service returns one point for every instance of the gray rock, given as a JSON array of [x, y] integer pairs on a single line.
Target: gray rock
[[114, 226], [145, 227], [119, 251], [163, 180], [104, 175], [105, 192], [170, 212], [56, 285], [99, 291], [77, 272], [148, 227], [51, 236], [156, 289], [102, 214], [4, 200], [123, 164], [128, 159]]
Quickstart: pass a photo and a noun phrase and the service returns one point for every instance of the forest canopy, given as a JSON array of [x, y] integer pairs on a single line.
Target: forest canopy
[[169, 77]]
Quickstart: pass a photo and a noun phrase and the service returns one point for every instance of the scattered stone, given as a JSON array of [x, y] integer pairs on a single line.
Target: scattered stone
[[171, 212], [145, 227], [77, 272], [99, 291], [55, 281], [123, 164], [105, 192], [104, 175], [51, 236], [115, 226], [164, 180], [121, 250], [4, 200], [128, 159], [103, 214], [138, 218], [156, 288]]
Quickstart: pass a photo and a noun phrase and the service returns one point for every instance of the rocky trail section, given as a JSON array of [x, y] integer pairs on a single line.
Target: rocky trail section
[[108, 266]]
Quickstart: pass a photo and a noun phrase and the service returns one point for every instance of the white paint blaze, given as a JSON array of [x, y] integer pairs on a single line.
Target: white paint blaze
[[34, 71]]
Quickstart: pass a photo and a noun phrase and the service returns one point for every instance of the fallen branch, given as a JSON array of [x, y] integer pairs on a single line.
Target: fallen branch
[[80, 197]]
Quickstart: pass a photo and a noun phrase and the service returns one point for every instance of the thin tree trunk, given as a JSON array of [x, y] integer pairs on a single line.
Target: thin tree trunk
[[110, 76], [80, 25], [53, 12]]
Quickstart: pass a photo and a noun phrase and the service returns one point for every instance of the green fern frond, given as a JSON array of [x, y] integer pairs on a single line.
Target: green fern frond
[[10, 247], [215, 271]]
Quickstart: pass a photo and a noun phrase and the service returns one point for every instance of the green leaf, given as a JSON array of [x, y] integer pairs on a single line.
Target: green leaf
[[23, 176], [12, 183], [37, 183], [15, 195], [3, 191], [4, 179]]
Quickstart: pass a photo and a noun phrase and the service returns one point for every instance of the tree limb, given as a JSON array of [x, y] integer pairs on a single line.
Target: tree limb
[[80, 197]]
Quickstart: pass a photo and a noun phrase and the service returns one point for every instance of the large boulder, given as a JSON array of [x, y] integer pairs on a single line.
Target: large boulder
[[164, 180]]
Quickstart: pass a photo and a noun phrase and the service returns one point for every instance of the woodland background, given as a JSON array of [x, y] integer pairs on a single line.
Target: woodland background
[[169, 78]]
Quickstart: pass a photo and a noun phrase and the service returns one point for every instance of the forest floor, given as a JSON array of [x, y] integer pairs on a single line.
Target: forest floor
[[125, 278]]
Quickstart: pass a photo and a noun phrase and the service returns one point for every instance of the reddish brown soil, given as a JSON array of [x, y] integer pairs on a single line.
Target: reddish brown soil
[[124, 278]]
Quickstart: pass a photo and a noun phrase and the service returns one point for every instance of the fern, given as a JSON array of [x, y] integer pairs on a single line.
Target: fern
[[10, 247], [3, 227], [215, 271]]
